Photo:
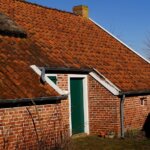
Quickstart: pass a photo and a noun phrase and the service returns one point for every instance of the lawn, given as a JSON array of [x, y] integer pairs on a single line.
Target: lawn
[[97, 143]]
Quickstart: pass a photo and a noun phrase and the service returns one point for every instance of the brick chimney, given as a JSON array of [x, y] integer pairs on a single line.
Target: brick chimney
[[81, 10]]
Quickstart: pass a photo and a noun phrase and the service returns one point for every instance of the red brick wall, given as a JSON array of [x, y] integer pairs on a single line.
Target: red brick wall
[[102, 109], [18, 130], [62, 82], [135, 113], [51, 121]]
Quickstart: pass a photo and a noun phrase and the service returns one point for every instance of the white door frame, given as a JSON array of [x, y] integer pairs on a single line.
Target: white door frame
[[85, 101]]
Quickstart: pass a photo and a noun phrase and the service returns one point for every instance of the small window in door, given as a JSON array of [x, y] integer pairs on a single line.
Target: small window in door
[[52, 77]]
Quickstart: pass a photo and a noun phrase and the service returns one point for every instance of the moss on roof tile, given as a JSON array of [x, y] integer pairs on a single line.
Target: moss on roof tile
[[10, 28]]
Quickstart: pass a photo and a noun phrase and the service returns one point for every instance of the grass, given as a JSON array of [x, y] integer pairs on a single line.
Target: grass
[[97, 143]]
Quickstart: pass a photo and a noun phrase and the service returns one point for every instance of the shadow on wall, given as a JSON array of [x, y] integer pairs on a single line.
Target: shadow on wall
[[146, 126]]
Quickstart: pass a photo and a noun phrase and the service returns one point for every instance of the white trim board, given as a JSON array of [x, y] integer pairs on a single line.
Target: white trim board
[[119, 40], [50, 74], [106, 83], [85, 99], [53, 85]]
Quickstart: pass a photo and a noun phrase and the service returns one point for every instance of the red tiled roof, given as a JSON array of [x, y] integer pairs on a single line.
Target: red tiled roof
[[68, 40], [17, 79]]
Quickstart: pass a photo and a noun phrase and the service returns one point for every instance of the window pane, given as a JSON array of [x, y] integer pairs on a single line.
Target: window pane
[[53, 78]]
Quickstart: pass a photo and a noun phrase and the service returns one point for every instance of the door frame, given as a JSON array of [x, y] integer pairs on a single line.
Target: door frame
[[85, 101]]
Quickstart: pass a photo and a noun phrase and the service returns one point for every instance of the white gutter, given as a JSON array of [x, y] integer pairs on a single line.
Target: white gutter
[[105, 82], [54, 86], [120, 41]]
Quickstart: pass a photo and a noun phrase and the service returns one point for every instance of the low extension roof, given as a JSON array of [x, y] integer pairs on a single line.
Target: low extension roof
[[66, 40]]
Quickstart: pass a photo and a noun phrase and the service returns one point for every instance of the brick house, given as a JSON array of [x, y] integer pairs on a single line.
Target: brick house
[[78, 73]]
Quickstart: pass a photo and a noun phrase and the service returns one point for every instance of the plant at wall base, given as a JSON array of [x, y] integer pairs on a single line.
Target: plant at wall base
[[110, 134], [102, 134], [135, 134]]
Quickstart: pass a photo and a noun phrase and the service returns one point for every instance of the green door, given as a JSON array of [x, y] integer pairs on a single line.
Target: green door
[[77, 109]]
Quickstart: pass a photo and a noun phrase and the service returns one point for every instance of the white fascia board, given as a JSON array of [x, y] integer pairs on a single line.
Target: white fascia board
[[54, 86], [120, 41], [105, 82]]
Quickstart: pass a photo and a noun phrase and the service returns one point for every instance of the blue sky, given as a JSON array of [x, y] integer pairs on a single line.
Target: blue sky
[[127, 19]]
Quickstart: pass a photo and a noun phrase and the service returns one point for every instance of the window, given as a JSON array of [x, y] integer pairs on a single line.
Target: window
[[52, 77], [143, 101]]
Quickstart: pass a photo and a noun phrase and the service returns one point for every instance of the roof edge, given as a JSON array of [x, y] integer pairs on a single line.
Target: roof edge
[[67, 70], [105, 82], [38, 5], [120, 41], [135, 93], [7, 103]]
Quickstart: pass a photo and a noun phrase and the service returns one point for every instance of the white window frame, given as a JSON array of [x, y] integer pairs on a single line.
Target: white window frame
[[85, 101], [53, 85]]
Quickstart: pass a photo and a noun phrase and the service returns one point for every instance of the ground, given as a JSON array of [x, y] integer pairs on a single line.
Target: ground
[[97, 143]]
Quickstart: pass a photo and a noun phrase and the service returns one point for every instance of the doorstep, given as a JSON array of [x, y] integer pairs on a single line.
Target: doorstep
[[79, 135]]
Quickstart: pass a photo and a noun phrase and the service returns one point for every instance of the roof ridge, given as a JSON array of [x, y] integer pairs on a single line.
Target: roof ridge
[[49, 8]]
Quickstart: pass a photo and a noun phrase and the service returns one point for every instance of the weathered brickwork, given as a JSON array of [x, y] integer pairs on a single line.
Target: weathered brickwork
[[62, 82], [33, 126], [135, 113], [102, 109]]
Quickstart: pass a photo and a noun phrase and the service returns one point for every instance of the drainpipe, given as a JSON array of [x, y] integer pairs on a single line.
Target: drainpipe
[[122, 115]]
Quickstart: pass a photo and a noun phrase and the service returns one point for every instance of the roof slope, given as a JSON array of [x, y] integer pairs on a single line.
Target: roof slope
[[17, 79], [69, 40]]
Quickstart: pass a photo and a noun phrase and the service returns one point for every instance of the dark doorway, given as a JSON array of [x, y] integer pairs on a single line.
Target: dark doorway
[[146, 126]]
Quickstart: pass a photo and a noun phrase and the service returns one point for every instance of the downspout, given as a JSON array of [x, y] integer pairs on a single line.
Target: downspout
[[122, 99]]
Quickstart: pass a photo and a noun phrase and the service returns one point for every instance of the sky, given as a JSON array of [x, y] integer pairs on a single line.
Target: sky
[[127, 19]]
